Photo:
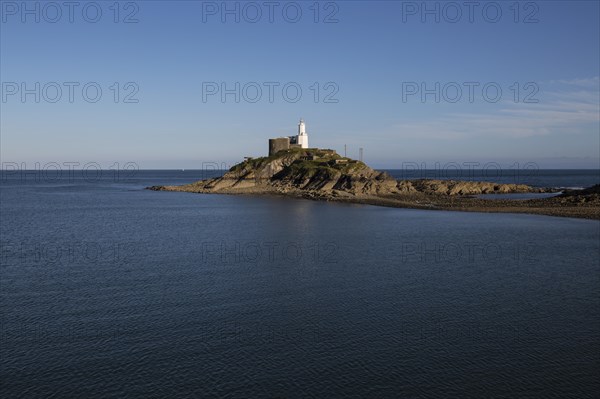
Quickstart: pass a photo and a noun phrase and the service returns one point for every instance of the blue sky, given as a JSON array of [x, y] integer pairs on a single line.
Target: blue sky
[[365, 58]]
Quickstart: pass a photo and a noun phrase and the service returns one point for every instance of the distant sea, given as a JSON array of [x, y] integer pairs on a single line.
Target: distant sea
[[110, 290], [554, 178]]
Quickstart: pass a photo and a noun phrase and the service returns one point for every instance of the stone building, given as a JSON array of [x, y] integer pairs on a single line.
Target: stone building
[[283, 143]]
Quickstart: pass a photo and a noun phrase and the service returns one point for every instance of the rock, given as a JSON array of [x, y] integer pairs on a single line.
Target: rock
[[328, 174], [325, 175]]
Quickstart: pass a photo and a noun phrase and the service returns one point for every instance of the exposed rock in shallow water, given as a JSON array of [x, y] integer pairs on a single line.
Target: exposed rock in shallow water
[[326, 172], [453, 187], [325, 175]]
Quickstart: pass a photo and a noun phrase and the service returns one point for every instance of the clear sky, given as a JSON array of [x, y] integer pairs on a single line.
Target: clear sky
[[362, 67]]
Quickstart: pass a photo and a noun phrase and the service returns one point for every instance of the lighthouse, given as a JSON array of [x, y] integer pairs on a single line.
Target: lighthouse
[[302, 140], [299, 140]]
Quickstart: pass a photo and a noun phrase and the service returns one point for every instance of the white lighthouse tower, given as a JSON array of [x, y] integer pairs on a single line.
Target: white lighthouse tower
[[302, 136]]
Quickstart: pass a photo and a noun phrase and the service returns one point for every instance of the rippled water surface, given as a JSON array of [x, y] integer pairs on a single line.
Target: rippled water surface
[[110, 290]]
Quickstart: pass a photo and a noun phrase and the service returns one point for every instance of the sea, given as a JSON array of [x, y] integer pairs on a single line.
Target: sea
[[547, 178], [110, 290]]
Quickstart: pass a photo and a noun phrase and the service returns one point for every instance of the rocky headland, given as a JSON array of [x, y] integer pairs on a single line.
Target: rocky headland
[[325, 175]]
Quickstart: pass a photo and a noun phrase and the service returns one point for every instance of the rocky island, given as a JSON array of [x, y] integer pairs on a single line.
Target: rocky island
[[321, 174]]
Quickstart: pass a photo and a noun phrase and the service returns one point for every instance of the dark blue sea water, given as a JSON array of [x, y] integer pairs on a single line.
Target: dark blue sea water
[[530, 175], [109, 290]]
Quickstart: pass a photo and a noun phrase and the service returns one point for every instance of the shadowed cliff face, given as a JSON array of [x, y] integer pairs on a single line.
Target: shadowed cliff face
[[324, 172]]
